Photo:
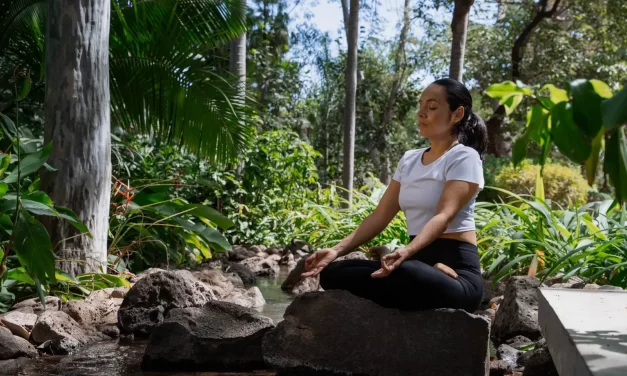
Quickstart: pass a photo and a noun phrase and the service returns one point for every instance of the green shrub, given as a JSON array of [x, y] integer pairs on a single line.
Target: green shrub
[[323, 223], [563, 185], [528, 237]]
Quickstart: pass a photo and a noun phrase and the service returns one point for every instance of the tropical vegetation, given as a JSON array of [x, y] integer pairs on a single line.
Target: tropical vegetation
[[236, 122]]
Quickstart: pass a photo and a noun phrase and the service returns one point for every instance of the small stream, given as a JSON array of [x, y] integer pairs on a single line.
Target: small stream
[[118, 358]]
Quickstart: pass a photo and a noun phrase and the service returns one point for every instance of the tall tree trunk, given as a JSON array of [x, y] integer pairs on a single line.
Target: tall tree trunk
[[459, 25], [388, 114], [351, 91], [237, 64], [497, 142], [77, 115]]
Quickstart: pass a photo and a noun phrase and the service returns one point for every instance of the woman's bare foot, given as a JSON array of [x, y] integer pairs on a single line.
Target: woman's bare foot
[[446, 270]]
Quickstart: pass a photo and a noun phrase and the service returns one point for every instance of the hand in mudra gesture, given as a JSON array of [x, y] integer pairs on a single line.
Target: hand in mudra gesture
[[391, 262], [317, 261]]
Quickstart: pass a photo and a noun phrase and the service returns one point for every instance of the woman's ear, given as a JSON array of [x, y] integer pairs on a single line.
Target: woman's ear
[[458, 114]]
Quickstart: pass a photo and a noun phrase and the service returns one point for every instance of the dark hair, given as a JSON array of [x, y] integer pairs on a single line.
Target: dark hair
[[471, 130]]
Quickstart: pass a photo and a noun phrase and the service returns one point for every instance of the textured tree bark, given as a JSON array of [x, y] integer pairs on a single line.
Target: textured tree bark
[[237, 62], [77, 121], [237, 66], [351, 91], [459, 26]]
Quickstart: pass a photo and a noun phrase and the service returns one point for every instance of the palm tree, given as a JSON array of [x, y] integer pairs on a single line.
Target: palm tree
[[161, 81]]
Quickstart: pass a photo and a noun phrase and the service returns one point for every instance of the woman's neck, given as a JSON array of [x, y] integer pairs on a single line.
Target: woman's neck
[[439, 147]]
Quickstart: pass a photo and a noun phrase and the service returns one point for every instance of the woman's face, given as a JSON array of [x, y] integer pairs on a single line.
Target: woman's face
[[435, 119]]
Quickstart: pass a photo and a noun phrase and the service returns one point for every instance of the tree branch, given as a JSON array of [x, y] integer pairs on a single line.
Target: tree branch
[[523, 38]]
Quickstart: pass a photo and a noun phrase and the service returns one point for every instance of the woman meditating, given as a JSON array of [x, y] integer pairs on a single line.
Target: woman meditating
[[436, 188]]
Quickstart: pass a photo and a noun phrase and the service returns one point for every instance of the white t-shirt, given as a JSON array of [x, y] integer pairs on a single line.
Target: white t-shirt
[[422, 186]]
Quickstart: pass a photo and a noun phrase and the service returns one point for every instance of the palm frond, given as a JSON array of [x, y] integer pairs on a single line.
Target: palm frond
[[22, 32], [161, 84]]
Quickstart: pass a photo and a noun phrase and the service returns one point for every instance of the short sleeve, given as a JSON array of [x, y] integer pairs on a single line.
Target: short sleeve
[[465, 165], [399, 169]]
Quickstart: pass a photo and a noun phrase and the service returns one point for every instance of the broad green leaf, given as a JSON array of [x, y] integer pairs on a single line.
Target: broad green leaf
[[593, 160], [40, 197], [73, 219], [7, 125], [211, 214], [211, 236], [38, 208], [556, 95], [20, 274], [586, 107], [511, 102], [519, 150], [615, 162], [537, 130], [64, 277], [34, 186], [30, 164], [537, 124], [25, 89], [102, 281], [193, 240], [570, 140], [615, 110], [506, 89], [601, 88], [6, 223], [5, 162], [4, 187], [144, 199], [33, 248]]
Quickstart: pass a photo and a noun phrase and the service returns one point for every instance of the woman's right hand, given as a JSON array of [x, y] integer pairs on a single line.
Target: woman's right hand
[[317, 261]]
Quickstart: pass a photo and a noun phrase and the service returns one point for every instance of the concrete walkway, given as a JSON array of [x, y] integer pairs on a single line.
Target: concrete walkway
[[586, 330]]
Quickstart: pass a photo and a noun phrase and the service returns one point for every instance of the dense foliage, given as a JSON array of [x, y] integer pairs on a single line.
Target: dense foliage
[[564, 186], [197, 166]]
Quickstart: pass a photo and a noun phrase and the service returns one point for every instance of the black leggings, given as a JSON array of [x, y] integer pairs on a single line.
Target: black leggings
[[416, 284]]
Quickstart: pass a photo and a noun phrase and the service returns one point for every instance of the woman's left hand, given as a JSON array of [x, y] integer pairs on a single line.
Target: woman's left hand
[[391, 262]]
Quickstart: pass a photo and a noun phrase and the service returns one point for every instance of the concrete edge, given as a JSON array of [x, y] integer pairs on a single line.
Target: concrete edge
[[563, 350]]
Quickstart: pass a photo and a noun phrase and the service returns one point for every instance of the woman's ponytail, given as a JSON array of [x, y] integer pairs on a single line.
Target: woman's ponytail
[[473, 133], [471, 130]]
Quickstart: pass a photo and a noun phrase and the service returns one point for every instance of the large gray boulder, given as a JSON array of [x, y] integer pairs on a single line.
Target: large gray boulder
[[518, 314], [297, 285], [19, 323], [12, 347], [263, 266], [218, 336], [251, 298], [152, 297], [247, 276], [337, 333], [34, 305], [61, 333], [540, 362]]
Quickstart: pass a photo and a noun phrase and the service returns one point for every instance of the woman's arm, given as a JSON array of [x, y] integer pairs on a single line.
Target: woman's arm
[[455, 195], [374, 223]]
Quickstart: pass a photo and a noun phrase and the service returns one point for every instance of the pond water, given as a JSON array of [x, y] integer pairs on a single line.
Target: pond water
[[117, 358]]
